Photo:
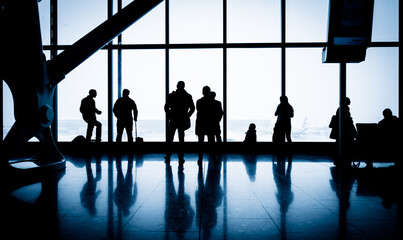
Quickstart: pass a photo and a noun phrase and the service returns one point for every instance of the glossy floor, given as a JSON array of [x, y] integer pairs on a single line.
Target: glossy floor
[[241, 197]]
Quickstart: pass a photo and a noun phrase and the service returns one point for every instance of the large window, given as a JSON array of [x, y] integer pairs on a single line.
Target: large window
[[313, 91], [254, 79], [89, 75], [143, 74], [373, 85], [247, 62], [197, 68]]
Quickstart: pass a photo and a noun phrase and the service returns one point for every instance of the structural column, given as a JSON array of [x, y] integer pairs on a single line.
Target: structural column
[[110, 80]]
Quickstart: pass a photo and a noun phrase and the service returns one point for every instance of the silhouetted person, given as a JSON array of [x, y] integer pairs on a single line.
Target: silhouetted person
[[205, 120], [282, 128], [351, 132], [88, 110], [178, 108], [389, 127], [125, 111], [390, 131], [251, 134], [218, 113]]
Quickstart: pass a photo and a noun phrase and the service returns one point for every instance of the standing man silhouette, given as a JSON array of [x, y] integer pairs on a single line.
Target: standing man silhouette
[[88, 110], [218, 113], [123, 109], [178, 108], [284, 113], [205, 120]]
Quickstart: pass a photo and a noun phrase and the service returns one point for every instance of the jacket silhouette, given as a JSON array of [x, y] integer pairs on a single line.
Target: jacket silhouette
[[282, 128], [89, 111]]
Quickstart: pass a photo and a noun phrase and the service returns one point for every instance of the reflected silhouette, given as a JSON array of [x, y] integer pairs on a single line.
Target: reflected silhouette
[[125, 110], [385, 182], [89, 193], [36, 219], [250, 163], [179, 107], [209, 196], [88, 110], [342, 183], [282, 178], [178, 211], [125, 193], [282, 128]]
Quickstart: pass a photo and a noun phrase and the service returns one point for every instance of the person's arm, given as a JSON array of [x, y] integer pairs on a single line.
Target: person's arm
[[191, 107], [135, 112]]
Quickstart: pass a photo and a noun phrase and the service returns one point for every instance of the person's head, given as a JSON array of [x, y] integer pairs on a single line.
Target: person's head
[[212, 95], [387, 113], [348, 102], [252, 126], [284, 99], [206, 91], [126, 92], [93, 93], [180, 85]]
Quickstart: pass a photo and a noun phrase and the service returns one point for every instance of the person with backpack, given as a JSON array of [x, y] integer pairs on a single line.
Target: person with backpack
[[89, 111]]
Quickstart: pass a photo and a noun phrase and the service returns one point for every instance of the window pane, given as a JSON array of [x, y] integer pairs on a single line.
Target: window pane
[[143, 73], [306, 20], [386, 21], [8, 109], [313, 91], [197, 21], [197, 68], [44, 17], [150, 29], [77, 18], [254, 21], [373, 85], [254, 78], [92, 74]]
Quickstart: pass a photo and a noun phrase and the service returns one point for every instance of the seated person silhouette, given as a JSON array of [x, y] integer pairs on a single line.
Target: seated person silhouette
[[389, 132], [125, 111], [251, 134], [88, 110]]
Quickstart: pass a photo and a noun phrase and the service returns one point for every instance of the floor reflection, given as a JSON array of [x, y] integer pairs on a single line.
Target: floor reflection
[[178, 212], [277, 196]]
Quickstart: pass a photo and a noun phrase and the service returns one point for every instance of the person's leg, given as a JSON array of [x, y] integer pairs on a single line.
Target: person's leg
[[181, 135], [170, 139], [119, 128], [90, 128], [129, 131], [288, 132], [98, 131], [201, 141]]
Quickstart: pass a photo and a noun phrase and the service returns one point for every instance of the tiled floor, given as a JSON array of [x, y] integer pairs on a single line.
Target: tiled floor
[[243, 197]]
